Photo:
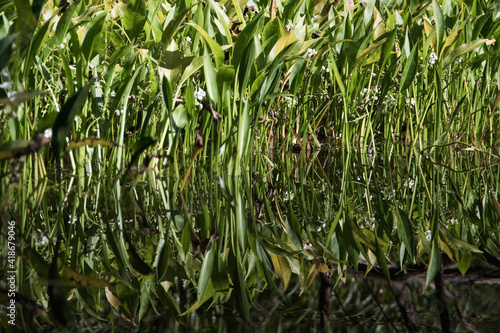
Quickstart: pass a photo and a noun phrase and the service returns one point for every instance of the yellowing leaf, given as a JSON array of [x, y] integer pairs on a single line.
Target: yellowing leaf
[[310, 277], [285, 40], [282, 268], [450, 41], [378, 24], [446, 249], [427, 26], [117, 304]]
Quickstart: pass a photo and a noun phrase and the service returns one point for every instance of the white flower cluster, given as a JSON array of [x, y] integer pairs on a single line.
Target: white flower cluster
[[290, 102], [396, 44], [428, 235], [390, 100], [287, 196], [41, 240], [200, 94], [72, 219], [325, 69], [48, 133], [389, 196], [433, 58], [312, 52], [409, 183], [373, 93], [119, 112], [321, 227], [6, 85], [410, 102]]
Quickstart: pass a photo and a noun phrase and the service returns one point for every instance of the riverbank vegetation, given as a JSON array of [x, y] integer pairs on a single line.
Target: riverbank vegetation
[[165, 157]]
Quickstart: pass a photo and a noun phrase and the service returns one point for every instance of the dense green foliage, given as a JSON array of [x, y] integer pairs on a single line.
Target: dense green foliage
[[146, 148]]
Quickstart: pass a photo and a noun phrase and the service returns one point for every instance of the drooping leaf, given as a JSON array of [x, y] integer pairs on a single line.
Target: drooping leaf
[[214, 46], [433, 263], [281, 268], [205, 274], [112, 297], [405, 231], [461, 50]]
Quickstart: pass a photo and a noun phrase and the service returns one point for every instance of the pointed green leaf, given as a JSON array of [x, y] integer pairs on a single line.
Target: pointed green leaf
[[92, 41], [410, 69], [434, 263], [405, 231], [244, 39], [205, 273], [134, 18], [462, 49], [439, 21]]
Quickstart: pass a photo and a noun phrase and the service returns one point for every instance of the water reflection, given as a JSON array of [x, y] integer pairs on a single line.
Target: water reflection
[[300, 241]]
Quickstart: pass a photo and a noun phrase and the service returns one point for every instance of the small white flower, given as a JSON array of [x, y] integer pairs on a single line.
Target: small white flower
[[41, 240], [119, 112], [409, 183], [188, 39], [6, 85], [62, 45], [48, 133], [11, 95], [200, 94], [326, 69], [428, 235], [72, 219], [287, 196], [77, 119], [312, 52], [259, 36], [5, 72], [460, 60], [433, 58]]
